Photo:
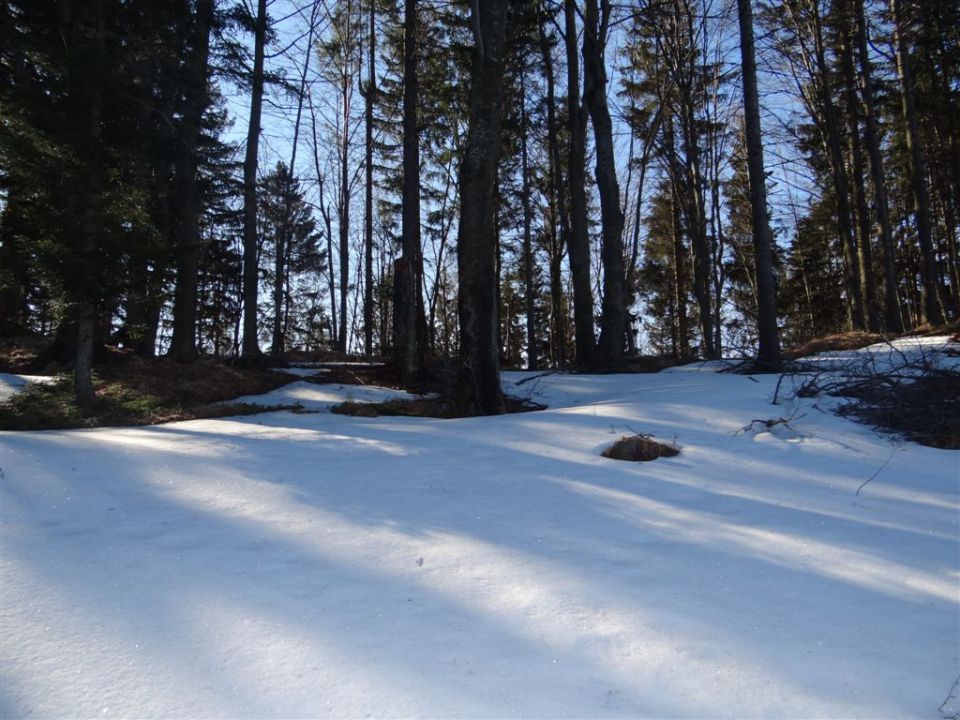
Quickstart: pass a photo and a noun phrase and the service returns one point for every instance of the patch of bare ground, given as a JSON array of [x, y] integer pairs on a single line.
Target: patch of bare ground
[[917, 396], [142, 391], [639, 448], [424, 407], [18, 353], [853, 340]]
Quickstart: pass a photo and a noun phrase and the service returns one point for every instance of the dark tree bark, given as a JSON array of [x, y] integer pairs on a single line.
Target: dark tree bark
[[609, 352], [409, 336], [768, 346], [478, 379], [251, 275], [930, 297], [868, 282], [579, 240], [893, 317], [370, 96], [183, 344], [86, 95]]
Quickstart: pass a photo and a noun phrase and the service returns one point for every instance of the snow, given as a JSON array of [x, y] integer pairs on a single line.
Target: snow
[[317, 398], [11, 384], [316, 565]]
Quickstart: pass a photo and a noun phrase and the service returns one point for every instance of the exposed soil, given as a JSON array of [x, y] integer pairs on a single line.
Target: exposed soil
[[639, 448], [424, 407]]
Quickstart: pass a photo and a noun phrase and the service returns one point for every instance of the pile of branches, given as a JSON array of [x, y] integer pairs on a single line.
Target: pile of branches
[[916, 395]]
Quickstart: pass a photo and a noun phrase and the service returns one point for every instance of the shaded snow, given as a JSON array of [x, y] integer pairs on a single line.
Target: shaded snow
[[11, 384], [289, 565]]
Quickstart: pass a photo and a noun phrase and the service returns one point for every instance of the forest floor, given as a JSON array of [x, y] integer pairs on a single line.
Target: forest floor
[[788, 562]]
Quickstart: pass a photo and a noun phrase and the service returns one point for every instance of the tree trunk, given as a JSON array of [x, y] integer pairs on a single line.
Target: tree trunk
[[830, 128], [930, 297], [370, 95], [251, 274], [560, 222], [478, 380], [613, 318], [183, 347], [579, 240], [768, 339], [409, 331], [893, 317], [530, 288], [682, 343], [868, 283]]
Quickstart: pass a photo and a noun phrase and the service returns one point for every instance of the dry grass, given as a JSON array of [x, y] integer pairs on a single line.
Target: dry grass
[[853, 340], [138, 391], [424, 407], [639, 448]]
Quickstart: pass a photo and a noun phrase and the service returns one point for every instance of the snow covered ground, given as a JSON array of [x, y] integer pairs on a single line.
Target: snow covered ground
[[294, 565], [11, 384]]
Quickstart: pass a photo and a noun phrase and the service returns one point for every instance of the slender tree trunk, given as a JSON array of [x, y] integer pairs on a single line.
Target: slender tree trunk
[[841, 184], [579, 240], [88, 92], [327, 225], [251, 279], [893, 318], [560, 229], [408, 302], [183, 347], [370, 95], [284, 241], [530, 286], [930, 297], [768, 338], [478, 380], [613, 318], [868, 283], [343, 209], [682, 344]]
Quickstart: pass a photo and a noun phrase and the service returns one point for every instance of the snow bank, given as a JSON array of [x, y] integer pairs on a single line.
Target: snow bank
[[290, 565]]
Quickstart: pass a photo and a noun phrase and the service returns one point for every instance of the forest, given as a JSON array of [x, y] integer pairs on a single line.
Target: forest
[[526, 184]]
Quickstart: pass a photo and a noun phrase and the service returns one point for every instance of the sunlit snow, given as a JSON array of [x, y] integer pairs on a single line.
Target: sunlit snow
[[317, 565]]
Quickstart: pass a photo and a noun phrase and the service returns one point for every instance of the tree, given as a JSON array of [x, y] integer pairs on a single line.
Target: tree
[[768, 347], [409, 339], [251, 279], [478, 380], [613, 318]]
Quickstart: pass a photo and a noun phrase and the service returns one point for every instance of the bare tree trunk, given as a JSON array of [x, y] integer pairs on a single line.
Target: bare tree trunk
[[328, 227], [768, 346], [183, 347], [560, 228], [868, 283], [87, 92], [343, 209], [478, 381], [682, 344], [930, 297], [579, 240], [893, 318], [409, 337], [284, 240], [530, 287], [251, 279], [613, 318], [831, 136], [370, 95]]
